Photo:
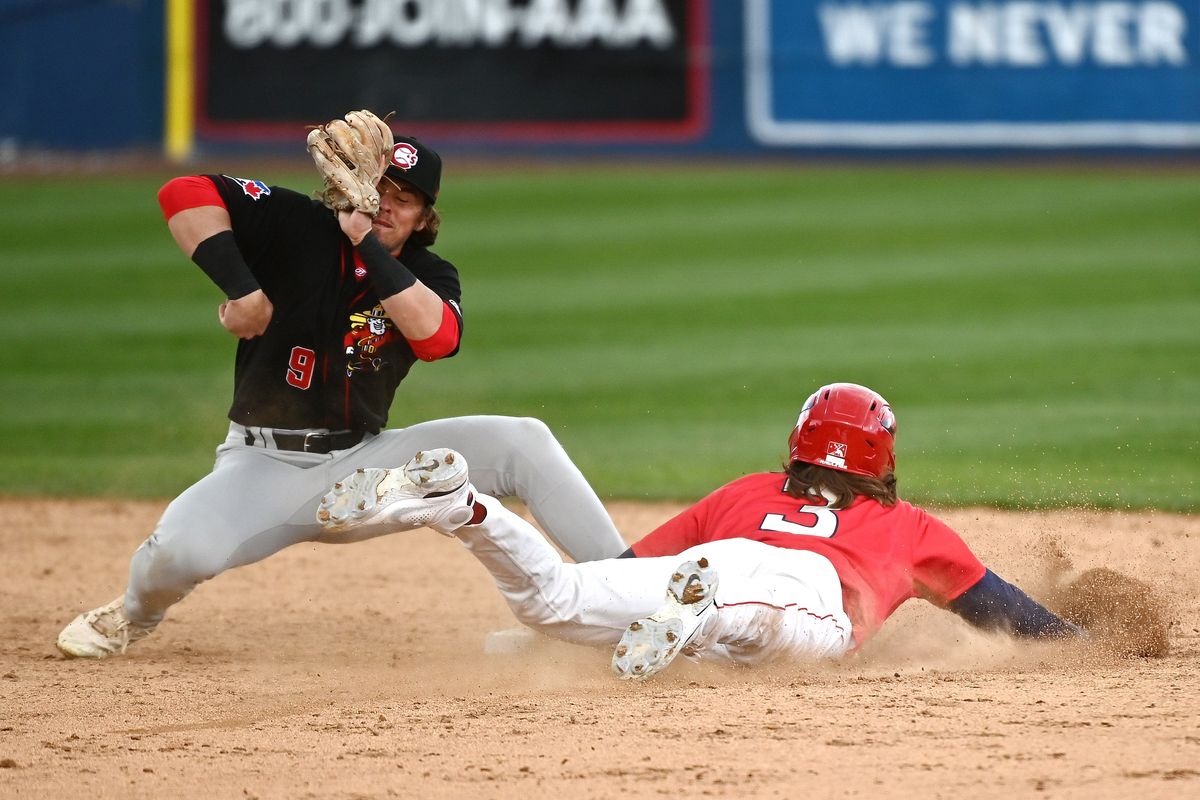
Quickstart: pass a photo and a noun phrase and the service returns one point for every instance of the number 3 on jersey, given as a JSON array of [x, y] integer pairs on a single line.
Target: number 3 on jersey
[[301, 364], [818, 521]]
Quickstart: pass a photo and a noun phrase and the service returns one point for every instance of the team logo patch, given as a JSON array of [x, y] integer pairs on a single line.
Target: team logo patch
[[363, 344], [253, 189], [404, 156], [835, 454]]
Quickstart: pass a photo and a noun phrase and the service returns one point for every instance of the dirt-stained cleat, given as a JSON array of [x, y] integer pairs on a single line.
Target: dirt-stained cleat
[[649, 645], [431, 490], [100, 633]]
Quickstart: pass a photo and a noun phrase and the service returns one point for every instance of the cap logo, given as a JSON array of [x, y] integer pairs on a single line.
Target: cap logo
[[404, 156], [835, 454]]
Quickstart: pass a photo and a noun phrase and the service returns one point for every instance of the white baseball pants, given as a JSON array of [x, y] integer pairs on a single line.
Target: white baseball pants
[[771, 602]]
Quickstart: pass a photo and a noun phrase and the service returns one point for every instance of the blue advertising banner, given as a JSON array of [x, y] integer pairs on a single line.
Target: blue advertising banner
[[971, 73]]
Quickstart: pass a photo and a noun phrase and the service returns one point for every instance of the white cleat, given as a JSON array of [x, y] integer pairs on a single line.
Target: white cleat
[[431, 490], [100, 633], [650, 644]]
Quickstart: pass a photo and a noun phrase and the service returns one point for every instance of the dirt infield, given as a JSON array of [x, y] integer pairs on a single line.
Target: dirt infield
[[358, 671]]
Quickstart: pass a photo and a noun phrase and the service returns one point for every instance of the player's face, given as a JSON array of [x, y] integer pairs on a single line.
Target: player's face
[[401, 211]]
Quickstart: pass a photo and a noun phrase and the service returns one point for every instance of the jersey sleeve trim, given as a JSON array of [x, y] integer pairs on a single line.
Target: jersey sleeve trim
[[189, 191], [444, 342]]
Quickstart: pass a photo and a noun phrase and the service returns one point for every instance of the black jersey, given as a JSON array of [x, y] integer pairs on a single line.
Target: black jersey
[[331, 358]]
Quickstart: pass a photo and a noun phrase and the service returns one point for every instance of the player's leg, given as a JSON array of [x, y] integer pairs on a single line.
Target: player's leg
[[254, 503], [768, 603], [588, 603], [513, 457], [788, 601]]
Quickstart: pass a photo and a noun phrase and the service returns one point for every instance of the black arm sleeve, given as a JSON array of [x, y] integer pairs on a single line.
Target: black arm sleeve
[[995, 604], [222, 262], [388, 276]]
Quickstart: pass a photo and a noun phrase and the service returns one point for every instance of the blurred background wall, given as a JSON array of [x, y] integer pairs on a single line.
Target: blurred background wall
[[80, 74], [571, 76]]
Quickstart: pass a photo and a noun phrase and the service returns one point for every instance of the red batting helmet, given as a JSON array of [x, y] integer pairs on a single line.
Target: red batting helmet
[[846, 427]]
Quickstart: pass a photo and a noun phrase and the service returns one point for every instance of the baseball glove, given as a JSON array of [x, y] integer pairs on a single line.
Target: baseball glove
[[351, 155]]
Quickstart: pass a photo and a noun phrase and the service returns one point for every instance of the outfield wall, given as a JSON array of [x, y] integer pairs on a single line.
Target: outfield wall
[[80, 74], [702, 76]]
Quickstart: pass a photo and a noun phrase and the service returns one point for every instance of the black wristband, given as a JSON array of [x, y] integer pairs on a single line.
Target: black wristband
[[388, 275], [222, 261]]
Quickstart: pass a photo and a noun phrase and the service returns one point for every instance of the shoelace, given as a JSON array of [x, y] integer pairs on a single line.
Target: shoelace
[[102, 620]]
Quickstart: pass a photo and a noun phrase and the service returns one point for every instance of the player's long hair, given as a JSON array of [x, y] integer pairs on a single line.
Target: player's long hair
[[428, 235], [806, 480]]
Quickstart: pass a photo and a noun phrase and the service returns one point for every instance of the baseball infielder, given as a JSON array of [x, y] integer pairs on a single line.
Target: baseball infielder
[[805, 563], [332, 310]]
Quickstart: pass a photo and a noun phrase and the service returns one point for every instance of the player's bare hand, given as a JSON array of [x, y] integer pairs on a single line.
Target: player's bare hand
[[355, 224], [247, 317]]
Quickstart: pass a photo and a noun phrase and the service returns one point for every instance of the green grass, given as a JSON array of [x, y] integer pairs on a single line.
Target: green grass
[[1037, 331]]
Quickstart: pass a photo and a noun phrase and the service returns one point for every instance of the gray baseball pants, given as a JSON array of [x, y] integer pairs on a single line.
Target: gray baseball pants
[[259, 500]]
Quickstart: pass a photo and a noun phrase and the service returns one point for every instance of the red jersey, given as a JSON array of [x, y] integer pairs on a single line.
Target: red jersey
[[883, 554]]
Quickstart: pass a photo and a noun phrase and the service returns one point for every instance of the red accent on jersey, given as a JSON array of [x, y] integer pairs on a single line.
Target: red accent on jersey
[[443, 342], [189, 191], [883, 554]]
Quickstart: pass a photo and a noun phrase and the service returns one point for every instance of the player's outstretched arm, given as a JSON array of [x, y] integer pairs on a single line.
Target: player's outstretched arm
[[995, 604]]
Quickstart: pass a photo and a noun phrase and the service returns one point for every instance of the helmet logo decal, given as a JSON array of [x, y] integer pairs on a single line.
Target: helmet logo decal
[[404, 156], [835, 454]]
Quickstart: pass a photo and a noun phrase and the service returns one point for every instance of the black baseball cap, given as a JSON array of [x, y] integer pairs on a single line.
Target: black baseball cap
[[417, 164]]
